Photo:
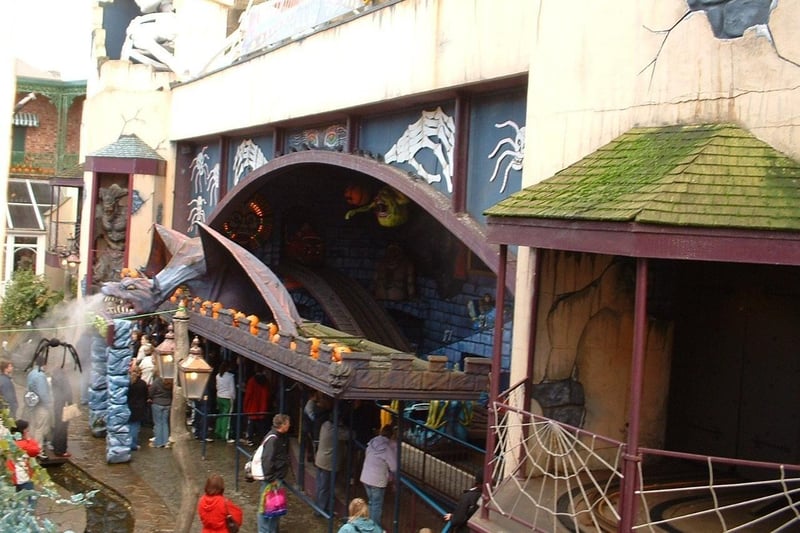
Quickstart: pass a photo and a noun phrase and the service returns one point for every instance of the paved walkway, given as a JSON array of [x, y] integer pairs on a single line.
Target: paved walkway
[[149, 487], [151, 483]]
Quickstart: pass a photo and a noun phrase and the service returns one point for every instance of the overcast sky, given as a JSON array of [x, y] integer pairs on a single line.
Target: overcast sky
[[53, 35]]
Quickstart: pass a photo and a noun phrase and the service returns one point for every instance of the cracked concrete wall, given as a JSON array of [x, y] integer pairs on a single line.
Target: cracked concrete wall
[[585, 333], [596, 72]]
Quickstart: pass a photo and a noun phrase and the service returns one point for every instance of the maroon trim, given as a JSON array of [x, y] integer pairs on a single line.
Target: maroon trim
[[128, 216], [649, 240], [91, 256], [463, 106], [278, 142], [224, 150], [494, 377], [126, 165], [67, 182], [470, 232], [353, 131], [631, 458], [183, 163]]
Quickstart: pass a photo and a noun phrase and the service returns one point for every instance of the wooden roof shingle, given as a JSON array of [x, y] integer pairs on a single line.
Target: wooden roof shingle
[[714, 175]]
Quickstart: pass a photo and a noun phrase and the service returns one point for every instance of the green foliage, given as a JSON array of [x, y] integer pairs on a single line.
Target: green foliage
[[28, 297], [15, 507]]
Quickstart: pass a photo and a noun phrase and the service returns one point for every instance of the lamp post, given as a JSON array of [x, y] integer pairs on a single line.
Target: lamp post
[[165, 355], [70, 262], [190, 369]]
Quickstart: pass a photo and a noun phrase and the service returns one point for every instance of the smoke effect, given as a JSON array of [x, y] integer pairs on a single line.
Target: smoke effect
[[71, 321]]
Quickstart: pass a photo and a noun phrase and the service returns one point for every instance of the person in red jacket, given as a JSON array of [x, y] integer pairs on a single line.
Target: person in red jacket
[[256, 403], [20, 468], [213, 507]]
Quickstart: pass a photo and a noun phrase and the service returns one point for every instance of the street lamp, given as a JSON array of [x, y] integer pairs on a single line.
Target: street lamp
[[70, 262], [165, 355], [194, 372]]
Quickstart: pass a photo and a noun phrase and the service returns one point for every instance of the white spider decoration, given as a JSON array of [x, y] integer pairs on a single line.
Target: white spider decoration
[[150, 38], [435, 131], [212, 185], [199, 170], [516, 152], [196, 214], [248, 157]]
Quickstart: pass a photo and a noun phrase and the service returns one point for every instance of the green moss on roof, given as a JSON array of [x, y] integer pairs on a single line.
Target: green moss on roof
[[708, 175]]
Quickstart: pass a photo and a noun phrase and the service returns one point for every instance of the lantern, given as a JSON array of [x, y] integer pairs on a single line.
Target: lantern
[[165, 355], [194, 372]]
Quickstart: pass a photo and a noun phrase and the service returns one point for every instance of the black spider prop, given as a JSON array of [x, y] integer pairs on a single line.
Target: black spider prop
[[43, 350]]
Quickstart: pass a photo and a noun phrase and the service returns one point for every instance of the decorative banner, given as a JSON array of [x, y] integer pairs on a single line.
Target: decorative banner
[[273, 21], [248, 157], [434, 131], [516, 152], [196, 213], [333, 137]]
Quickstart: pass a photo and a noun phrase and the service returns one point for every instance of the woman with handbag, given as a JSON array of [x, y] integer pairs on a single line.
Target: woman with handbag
[[217, 513]]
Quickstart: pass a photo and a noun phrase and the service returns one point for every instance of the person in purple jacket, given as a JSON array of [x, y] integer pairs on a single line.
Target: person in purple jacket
[[380, 463]]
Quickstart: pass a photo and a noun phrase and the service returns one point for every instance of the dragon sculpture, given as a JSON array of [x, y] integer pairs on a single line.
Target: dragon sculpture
[[213, 268]]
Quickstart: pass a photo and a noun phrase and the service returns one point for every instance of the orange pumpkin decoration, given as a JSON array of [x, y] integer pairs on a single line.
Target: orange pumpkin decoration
[[273, 328], [205, 308], [216, 307], [276, 338], [237, 317], [356, 195], [253, 324], [314, 350], [338, 350]]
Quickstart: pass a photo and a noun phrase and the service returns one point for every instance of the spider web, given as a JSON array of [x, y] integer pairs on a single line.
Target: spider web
[[558, 474], [555, 477]]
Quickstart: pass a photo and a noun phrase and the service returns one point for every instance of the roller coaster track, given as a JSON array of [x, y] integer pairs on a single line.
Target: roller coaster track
[[348, 305]]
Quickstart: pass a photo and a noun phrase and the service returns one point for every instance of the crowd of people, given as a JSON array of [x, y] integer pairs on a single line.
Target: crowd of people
[[46, 396], [41, 429]]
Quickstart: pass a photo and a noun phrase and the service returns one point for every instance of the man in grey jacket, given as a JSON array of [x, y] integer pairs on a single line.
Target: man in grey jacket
[[380, 460], [7, 390]]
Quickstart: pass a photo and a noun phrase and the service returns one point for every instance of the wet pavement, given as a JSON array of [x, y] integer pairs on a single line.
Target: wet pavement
[[149, 487], [150, 484]]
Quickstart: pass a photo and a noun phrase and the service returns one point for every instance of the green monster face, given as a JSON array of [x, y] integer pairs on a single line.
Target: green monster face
[[391, 207]]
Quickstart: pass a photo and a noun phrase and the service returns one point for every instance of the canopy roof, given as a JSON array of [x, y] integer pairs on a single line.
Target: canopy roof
[[712, 192]]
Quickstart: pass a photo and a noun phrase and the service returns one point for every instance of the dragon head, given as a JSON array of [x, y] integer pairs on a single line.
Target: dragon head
[[131, 296]]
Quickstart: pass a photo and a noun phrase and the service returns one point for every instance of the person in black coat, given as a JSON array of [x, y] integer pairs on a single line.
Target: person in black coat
[[62, 395], [275, 462], [466, 506], [137, 403]]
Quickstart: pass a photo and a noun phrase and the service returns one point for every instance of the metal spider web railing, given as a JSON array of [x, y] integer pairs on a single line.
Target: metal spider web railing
[[554, 477], [553, 474], [719, 494]]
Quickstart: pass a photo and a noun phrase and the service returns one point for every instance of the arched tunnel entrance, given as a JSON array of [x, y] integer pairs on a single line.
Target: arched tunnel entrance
[[366, 249]]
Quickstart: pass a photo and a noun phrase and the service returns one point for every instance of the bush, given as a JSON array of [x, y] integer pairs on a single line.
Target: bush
[[28, 297]]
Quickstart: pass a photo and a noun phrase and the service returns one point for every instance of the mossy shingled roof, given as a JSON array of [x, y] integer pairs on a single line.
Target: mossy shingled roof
[[715, 175]]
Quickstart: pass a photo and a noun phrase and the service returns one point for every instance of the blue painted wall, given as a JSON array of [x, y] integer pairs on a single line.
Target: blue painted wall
[[484, 190]]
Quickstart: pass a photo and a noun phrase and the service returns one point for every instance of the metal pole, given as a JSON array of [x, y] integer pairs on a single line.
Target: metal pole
[[332, 479], [494, 377], [398, 485], [631, 458]]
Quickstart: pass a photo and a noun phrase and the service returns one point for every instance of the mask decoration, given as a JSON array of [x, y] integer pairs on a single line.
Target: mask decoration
[[390, 208]]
